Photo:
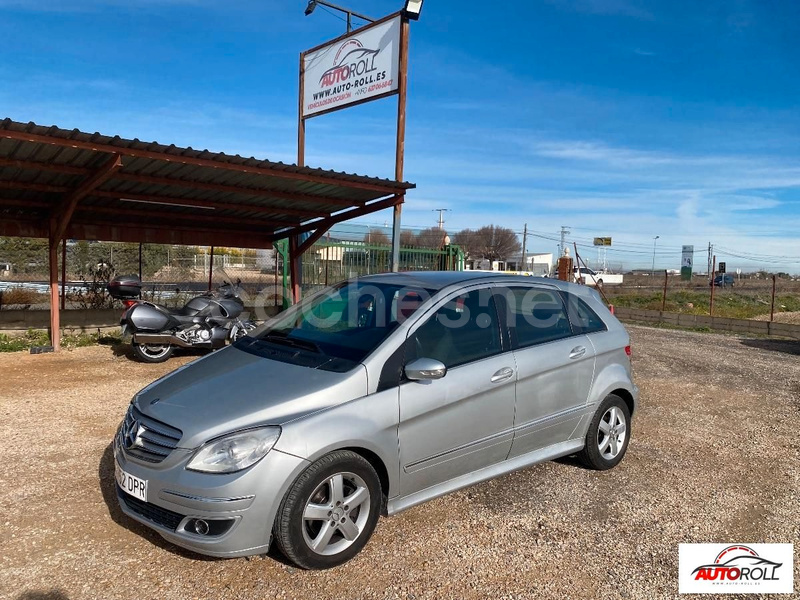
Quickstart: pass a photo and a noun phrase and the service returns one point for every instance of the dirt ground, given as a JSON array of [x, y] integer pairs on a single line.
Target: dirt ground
[[714, 457]]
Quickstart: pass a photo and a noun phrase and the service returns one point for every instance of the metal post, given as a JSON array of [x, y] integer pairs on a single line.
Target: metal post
[[713, 276], [401, 139], [64, 274], [210, 267], [55, 323], [664, 297], [772, 306], [275, 250], [327, 258], [140, 261], [524, 245], [295, 268]]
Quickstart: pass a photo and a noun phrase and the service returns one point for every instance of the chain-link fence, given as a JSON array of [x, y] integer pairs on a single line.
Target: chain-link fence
[[171, 275]]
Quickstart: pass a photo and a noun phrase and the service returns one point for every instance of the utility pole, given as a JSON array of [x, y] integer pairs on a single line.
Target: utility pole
[[524, 247], [564, 233], [710, 253], [441, 212]]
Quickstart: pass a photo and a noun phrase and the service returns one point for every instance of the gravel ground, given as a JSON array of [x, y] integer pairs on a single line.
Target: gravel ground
[[713, 458]]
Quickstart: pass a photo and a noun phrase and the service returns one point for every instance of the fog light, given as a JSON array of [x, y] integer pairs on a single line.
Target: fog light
[[201, 526]]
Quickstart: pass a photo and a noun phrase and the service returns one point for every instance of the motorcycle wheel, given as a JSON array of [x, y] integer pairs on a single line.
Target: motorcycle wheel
[[152, 353]]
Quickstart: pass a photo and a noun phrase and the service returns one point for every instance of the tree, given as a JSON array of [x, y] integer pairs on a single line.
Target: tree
[[407, 238], [432, 237], [467, 240], [376, 237], [490, 242]]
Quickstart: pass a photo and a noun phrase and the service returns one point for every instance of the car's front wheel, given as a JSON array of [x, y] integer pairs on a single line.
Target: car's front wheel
[[608, 435], [330, 512]]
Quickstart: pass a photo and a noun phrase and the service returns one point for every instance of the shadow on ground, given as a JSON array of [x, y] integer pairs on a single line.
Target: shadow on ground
[[785, 346], [54, 594]]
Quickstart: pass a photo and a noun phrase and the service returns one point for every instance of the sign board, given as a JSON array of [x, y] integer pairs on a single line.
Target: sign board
[[687, 260], [360, 66], [721, 268], [602, 241]]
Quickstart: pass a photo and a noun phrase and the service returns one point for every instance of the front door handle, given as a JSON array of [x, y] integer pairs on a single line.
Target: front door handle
[[577, 352], [503, 374]]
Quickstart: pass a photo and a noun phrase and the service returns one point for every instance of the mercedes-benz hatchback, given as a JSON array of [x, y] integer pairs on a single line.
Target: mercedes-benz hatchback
[[368, 398]]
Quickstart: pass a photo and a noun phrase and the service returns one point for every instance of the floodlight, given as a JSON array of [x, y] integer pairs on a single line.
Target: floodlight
[[312, 4], [413, 8]]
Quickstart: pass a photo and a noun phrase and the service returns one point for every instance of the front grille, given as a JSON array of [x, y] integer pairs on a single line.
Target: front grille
[[151, 512], [147, 439]]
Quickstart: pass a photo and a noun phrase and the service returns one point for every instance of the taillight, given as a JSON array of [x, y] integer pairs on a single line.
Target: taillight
[[129, 303], [628, 350]]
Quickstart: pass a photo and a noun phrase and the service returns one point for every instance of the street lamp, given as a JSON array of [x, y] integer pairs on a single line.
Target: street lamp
[[312, 4], [412, 9], [653, 271]]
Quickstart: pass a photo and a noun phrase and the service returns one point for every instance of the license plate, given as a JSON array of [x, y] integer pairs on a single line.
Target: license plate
[[131, 485]]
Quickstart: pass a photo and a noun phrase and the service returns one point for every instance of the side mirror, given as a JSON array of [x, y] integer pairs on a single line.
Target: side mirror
[[425, 369]]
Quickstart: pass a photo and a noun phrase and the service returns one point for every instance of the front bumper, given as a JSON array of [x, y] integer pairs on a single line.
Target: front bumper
[[247, 501]]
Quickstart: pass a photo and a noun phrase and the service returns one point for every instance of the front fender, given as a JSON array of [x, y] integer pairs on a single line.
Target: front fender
[[369, 422]]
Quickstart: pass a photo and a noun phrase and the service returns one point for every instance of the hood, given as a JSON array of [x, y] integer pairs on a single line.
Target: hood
[[230, 389]]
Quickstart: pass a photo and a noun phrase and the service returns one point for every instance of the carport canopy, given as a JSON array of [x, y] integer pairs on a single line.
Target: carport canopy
[[67, 184]]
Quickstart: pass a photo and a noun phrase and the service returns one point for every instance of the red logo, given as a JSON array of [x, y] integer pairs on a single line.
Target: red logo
[[738, 563], [351, 60]]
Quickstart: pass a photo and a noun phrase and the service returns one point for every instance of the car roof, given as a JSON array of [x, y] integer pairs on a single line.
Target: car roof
[[437, 280]]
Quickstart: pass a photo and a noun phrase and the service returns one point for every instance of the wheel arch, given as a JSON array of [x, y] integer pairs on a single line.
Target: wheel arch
[[380, 468], [626, 396]]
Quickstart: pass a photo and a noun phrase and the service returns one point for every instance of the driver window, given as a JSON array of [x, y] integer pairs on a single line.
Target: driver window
[[463, 330]]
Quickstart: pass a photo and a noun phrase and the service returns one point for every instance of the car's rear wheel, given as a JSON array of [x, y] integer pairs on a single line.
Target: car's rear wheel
[[330, 512], [153, 353], [608, 435]]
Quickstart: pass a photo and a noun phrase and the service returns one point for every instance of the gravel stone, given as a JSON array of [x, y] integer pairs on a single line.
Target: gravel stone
[[714, 457]]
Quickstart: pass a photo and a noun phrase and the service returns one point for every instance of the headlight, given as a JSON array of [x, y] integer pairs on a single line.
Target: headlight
[[235, 452]]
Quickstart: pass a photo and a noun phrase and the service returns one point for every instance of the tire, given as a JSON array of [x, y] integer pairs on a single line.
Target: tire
[[598, 453], [151, 353], [312, 494]]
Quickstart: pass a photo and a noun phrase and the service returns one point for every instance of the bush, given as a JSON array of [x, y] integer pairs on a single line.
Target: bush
[[18, 296]]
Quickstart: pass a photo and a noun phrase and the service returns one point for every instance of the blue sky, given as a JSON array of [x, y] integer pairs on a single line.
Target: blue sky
[[628, 118]]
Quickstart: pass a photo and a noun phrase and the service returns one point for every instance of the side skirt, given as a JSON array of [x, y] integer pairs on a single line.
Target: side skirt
[[397, 505]]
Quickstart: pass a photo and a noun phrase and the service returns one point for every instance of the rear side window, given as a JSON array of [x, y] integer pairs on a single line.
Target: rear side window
[[464, 330], [582, 317], [536, 316]]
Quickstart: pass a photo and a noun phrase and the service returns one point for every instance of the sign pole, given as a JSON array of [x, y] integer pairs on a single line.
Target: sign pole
[[401, 139], [295, 270]]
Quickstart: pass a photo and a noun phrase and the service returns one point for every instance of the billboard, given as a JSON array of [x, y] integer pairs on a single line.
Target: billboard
[[602, 241], [687, 260], [360, 66]]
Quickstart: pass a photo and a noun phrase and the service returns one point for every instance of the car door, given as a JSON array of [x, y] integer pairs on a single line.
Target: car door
[[555, 368], [463, 421]]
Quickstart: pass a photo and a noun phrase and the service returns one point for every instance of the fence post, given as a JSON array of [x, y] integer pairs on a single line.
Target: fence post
[[713, 276], [664, 296], [772, 306]]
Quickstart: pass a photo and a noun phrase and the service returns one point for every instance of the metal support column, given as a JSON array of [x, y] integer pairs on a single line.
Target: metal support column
[[64, 274], [210, 267], [55, 321], [401, 139]]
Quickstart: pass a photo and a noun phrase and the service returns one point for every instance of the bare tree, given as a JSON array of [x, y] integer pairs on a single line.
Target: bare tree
[[490, 242], [432, 237], [376, 237], [407, 238]]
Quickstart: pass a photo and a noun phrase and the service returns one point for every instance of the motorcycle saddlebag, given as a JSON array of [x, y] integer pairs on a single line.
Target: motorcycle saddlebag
[[125, 287]]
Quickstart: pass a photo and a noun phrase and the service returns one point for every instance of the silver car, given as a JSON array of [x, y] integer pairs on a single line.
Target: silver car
[[368, 398]]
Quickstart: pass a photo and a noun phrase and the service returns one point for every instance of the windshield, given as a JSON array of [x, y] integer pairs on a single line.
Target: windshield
[[345, 323]]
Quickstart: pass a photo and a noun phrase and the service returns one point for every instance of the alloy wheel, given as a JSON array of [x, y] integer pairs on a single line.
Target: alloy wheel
[[611, 433], [336, 514]]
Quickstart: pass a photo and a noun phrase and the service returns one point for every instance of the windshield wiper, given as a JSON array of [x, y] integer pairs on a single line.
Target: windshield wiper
[[283, 338]]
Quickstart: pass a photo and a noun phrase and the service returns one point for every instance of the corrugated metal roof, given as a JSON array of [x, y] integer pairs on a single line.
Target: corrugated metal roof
[[163, 186]]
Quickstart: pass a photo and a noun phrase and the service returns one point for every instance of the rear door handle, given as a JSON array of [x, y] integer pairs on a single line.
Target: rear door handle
[[577, 352], [503, 374]]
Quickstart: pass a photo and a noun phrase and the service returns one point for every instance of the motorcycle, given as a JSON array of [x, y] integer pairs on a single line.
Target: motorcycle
[[210, 320]]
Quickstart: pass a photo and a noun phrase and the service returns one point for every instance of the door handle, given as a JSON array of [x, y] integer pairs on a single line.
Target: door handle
[[577, 352], [503, 374]]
